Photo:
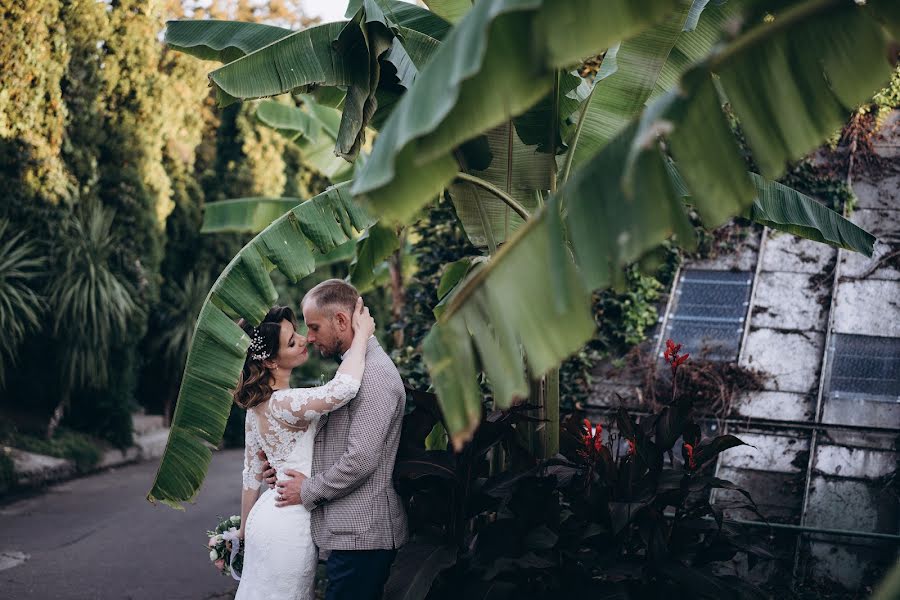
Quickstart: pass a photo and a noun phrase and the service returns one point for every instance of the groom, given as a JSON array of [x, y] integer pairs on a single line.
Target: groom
[[355, 512]]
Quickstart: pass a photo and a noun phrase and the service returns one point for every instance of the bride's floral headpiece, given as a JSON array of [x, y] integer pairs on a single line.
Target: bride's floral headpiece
[[257, 347]]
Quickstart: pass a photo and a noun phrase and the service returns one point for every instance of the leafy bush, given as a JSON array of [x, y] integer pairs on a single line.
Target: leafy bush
[[888, 98], [438, 240], [21, 268], [606, 516]]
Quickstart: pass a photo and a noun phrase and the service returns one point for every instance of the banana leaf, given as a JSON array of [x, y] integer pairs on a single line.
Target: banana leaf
[[218, 349]]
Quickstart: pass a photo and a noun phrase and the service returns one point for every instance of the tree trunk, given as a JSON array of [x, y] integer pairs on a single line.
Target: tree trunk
[[551, 413], [397, 290], [543, 437], [57, 416]]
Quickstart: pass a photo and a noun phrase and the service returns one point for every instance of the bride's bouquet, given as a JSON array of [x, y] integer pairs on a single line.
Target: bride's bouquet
[[226, 551]]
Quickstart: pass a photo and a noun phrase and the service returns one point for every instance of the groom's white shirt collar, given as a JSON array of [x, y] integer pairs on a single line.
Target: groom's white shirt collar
[[345, 353]]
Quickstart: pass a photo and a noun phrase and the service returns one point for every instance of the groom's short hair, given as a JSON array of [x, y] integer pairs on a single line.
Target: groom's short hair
[[332, 295]]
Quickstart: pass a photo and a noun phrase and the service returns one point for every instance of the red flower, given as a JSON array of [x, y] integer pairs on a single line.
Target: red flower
[[672, 357], [672, 349], [593, 442], [687, 451]]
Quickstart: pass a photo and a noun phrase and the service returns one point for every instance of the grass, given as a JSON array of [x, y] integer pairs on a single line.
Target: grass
[[81, 448]]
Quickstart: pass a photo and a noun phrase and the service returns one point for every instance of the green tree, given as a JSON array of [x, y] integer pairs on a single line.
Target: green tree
[[568, 184], [21, 269], [34, 53]]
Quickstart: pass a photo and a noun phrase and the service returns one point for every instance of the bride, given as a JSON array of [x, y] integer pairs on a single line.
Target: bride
[[280, 557]]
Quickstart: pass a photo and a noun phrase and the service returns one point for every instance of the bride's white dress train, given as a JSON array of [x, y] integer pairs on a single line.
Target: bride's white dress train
[[280, 557]]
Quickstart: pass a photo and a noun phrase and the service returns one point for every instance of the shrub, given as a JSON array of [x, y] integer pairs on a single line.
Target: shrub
[[85, 450], [607, 516]]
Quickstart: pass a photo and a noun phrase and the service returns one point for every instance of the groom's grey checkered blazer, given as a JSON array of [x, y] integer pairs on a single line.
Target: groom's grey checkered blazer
[[351, 493]]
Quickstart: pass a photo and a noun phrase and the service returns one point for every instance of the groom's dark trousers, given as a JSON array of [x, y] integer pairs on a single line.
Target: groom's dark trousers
[[358, 574]]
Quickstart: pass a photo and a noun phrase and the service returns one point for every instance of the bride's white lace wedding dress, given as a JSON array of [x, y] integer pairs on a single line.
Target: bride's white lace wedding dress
[[279, 555]]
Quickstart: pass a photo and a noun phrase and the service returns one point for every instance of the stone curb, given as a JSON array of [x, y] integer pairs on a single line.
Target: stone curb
[[34, 470]]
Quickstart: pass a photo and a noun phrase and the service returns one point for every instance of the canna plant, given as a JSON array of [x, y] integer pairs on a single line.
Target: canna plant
[[614, 516], [564, 181]]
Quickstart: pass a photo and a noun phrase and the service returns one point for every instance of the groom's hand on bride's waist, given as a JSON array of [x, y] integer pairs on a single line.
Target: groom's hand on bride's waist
[[287, 491]]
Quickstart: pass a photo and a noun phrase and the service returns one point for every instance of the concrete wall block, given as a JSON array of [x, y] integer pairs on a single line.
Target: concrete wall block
[[787, 252], [868, 307], [842, 563], [885, 441], [879, 222], [855, 265], [791, 301], [791, 359], [776, 406], [742, 260], [779, 496], [782, 453], [743, 257], [862, 413], [879, 194], [609, 394], [854, 462], [849, 504]]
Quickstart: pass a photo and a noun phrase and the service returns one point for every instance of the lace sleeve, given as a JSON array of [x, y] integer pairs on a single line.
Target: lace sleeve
[[253, 466], [309, 403]]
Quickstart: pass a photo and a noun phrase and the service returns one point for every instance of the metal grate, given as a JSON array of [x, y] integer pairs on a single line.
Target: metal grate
[[865, 366], [708, 312]]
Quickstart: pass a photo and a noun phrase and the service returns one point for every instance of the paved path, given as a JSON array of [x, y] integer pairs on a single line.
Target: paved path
[[98, 538]]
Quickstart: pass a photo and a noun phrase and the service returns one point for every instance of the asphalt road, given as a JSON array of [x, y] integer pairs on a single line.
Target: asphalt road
[[98, 538]]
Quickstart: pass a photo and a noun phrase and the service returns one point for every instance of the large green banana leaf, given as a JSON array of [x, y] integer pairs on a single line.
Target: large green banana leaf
[[497, 62], [226, 41], [244, 289], [495, 316], [405, 14], [786, 209], [252, 215], [452, 10], [695, 42], [616, 97], [346, 54], [516, 169], [223, 41], [616, 100], [318, 56], [244, 215], [372, 248], [314, 131], [621, 203], [652, 63]]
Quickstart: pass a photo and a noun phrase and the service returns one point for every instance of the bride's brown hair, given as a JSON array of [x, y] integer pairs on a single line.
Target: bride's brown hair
[[253, 387]]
